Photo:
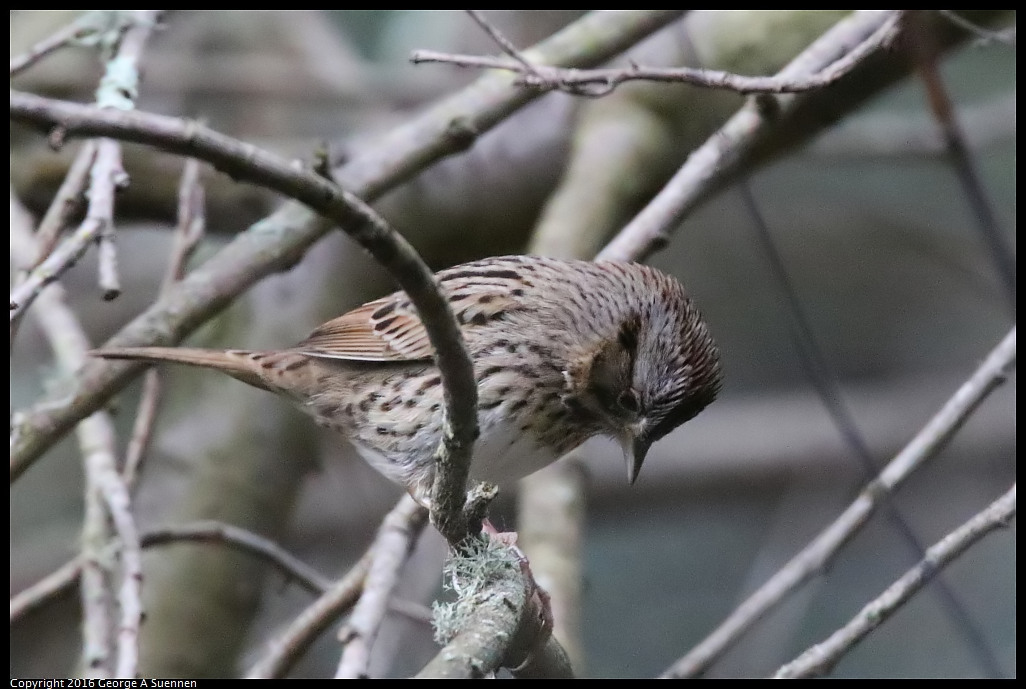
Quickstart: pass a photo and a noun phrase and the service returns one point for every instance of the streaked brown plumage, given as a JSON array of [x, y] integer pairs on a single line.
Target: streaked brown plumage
[[562, 351]]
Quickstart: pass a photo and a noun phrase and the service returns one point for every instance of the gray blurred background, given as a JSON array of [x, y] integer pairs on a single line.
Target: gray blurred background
[[870, 221]]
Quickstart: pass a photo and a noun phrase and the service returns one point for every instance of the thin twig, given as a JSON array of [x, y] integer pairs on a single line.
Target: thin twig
[[58, 39], [446, 129], [106, 177], [503, 42], [600, 82], [68, 201], [142, 427], [281, 652], [87, 25], [192, 222], [394, 542], [57, 582], [820, 659], [291, 567], [67, 575], [817, 555], [94, 590]]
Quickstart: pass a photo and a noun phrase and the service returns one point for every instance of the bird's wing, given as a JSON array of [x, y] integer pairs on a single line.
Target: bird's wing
[[389, 329]]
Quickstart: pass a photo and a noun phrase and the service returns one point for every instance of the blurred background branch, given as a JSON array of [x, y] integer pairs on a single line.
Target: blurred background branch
[[901, 295]]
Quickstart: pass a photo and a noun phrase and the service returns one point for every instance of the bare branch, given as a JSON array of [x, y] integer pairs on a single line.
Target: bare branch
[[118, 89], [245, 541], [192, 222], [395, 540], [94, 590], [97, 440], [820, 659], [67, 202], [142, 427], [101, 461], [46, 589], [599, 82], [58, 39], [106, 177], [818, 554], [69, 343]]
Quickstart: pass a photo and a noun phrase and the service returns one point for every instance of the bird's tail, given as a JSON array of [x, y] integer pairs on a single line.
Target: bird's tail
[[241, 364]]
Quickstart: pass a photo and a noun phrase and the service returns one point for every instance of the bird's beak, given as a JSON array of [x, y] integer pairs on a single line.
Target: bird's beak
[[636, 457]]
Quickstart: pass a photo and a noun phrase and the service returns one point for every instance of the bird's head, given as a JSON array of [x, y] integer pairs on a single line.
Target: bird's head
[[656, 369]]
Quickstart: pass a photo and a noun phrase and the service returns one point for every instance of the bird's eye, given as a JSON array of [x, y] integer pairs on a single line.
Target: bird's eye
[[628, 401]]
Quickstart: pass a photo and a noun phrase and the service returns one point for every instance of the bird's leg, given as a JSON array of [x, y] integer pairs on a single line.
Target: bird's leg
[[507, 538]]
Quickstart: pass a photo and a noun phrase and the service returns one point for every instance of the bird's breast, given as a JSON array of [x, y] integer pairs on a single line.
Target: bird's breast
[[506, 452]]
